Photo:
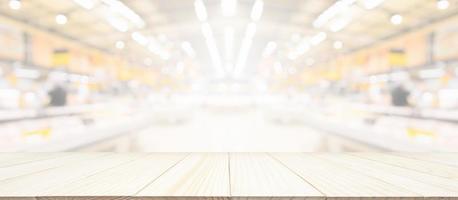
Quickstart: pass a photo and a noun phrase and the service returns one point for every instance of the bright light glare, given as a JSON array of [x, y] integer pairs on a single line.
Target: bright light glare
[[442, 4], [270, 49], [201, 11], [119, 7], [229, 7], [337, 8], [212, 48], [318, 38], [371, 4], [229, 41], [86, 4], [61, 19], [15, 4], [338, 45], [245, 49], [396, 19], [139, 38], [187, 48], [120, 45], [340, 23], [118, 23], [256, 13]]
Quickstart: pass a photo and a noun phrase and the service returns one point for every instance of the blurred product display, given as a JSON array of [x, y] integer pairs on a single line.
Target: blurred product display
[[228, 75]]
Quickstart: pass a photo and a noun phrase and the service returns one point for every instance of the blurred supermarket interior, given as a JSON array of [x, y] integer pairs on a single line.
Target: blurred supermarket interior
[[228, 75]]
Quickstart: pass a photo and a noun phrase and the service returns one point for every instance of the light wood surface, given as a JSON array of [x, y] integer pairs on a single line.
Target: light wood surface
[[280, 176]]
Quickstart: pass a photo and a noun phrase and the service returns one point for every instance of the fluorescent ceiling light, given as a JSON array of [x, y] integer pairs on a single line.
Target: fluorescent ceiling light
[[245, 49], [15, 4], [270, 49], [338, 45], [318, 38], [61, 19], [442, 4], [396, 19], [119, 7], [337, 8], [371, 4], [187, 48], [87, 4], [201, 11], [229, 7], [256, 12], [229, 41], [118, 23], [120, 45], [140, 38], [212, 48], [340, 23]]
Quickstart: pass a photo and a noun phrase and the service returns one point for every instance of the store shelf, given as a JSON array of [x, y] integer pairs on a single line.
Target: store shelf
[[59, 176]]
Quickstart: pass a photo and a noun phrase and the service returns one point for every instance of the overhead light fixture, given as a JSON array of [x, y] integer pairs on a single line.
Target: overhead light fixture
[[338, 45], [318, 38], [120, 45], [245, 49], [256, 12], [61, 19], [187, 48], [229, 7], [201, 11], [212, 48], [118, 23], [140, 38], [334, 10], [15, 4], [371, 4], [340, 23], [396, 19], [119, 7], [229, 41], [87, 4], [270, 49], [442, 4]]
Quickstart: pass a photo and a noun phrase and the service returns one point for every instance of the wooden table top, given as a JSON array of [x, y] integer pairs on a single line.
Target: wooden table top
[[64, 176]]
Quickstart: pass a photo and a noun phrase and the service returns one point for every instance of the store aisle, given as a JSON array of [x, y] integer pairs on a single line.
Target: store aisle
[[241, 131]]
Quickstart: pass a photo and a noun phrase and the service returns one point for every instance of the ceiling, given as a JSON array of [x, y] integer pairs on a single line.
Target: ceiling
[[287, 23]]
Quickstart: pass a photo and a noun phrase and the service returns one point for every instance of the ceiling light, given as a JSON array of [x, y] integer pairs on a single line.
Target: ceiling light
[[118, 23], [256, 12], [229, 41], [318, 38], [120, 45], [340, 23], [119, 7], [140, 38], [201, 11], [15, 4], [212, 48], [442, 4], [187, 48], [245, 49], [87, 4], [337, 8], [229, 7], [396, 19], [61, 19], [338, 45], [371, 4], [270, 48]]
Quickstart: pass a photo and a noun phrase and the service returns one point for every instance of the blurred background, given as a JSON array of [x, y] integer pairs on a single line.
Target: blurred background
[[228, 75]]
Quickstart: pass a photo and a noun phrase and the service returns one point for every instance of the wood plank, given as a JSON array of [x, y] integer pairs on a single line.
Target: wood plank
[[10, 159], [427, 167], [335, 181], [31, 167], [199, 174], [39, 184], [257, 174], [134, 176], [442, 158], [422, 187]]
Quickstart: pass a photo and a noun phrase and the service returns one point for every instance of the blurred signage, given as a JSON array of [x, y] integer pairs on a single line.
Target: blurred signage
[[60, 57], [397, 58]]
